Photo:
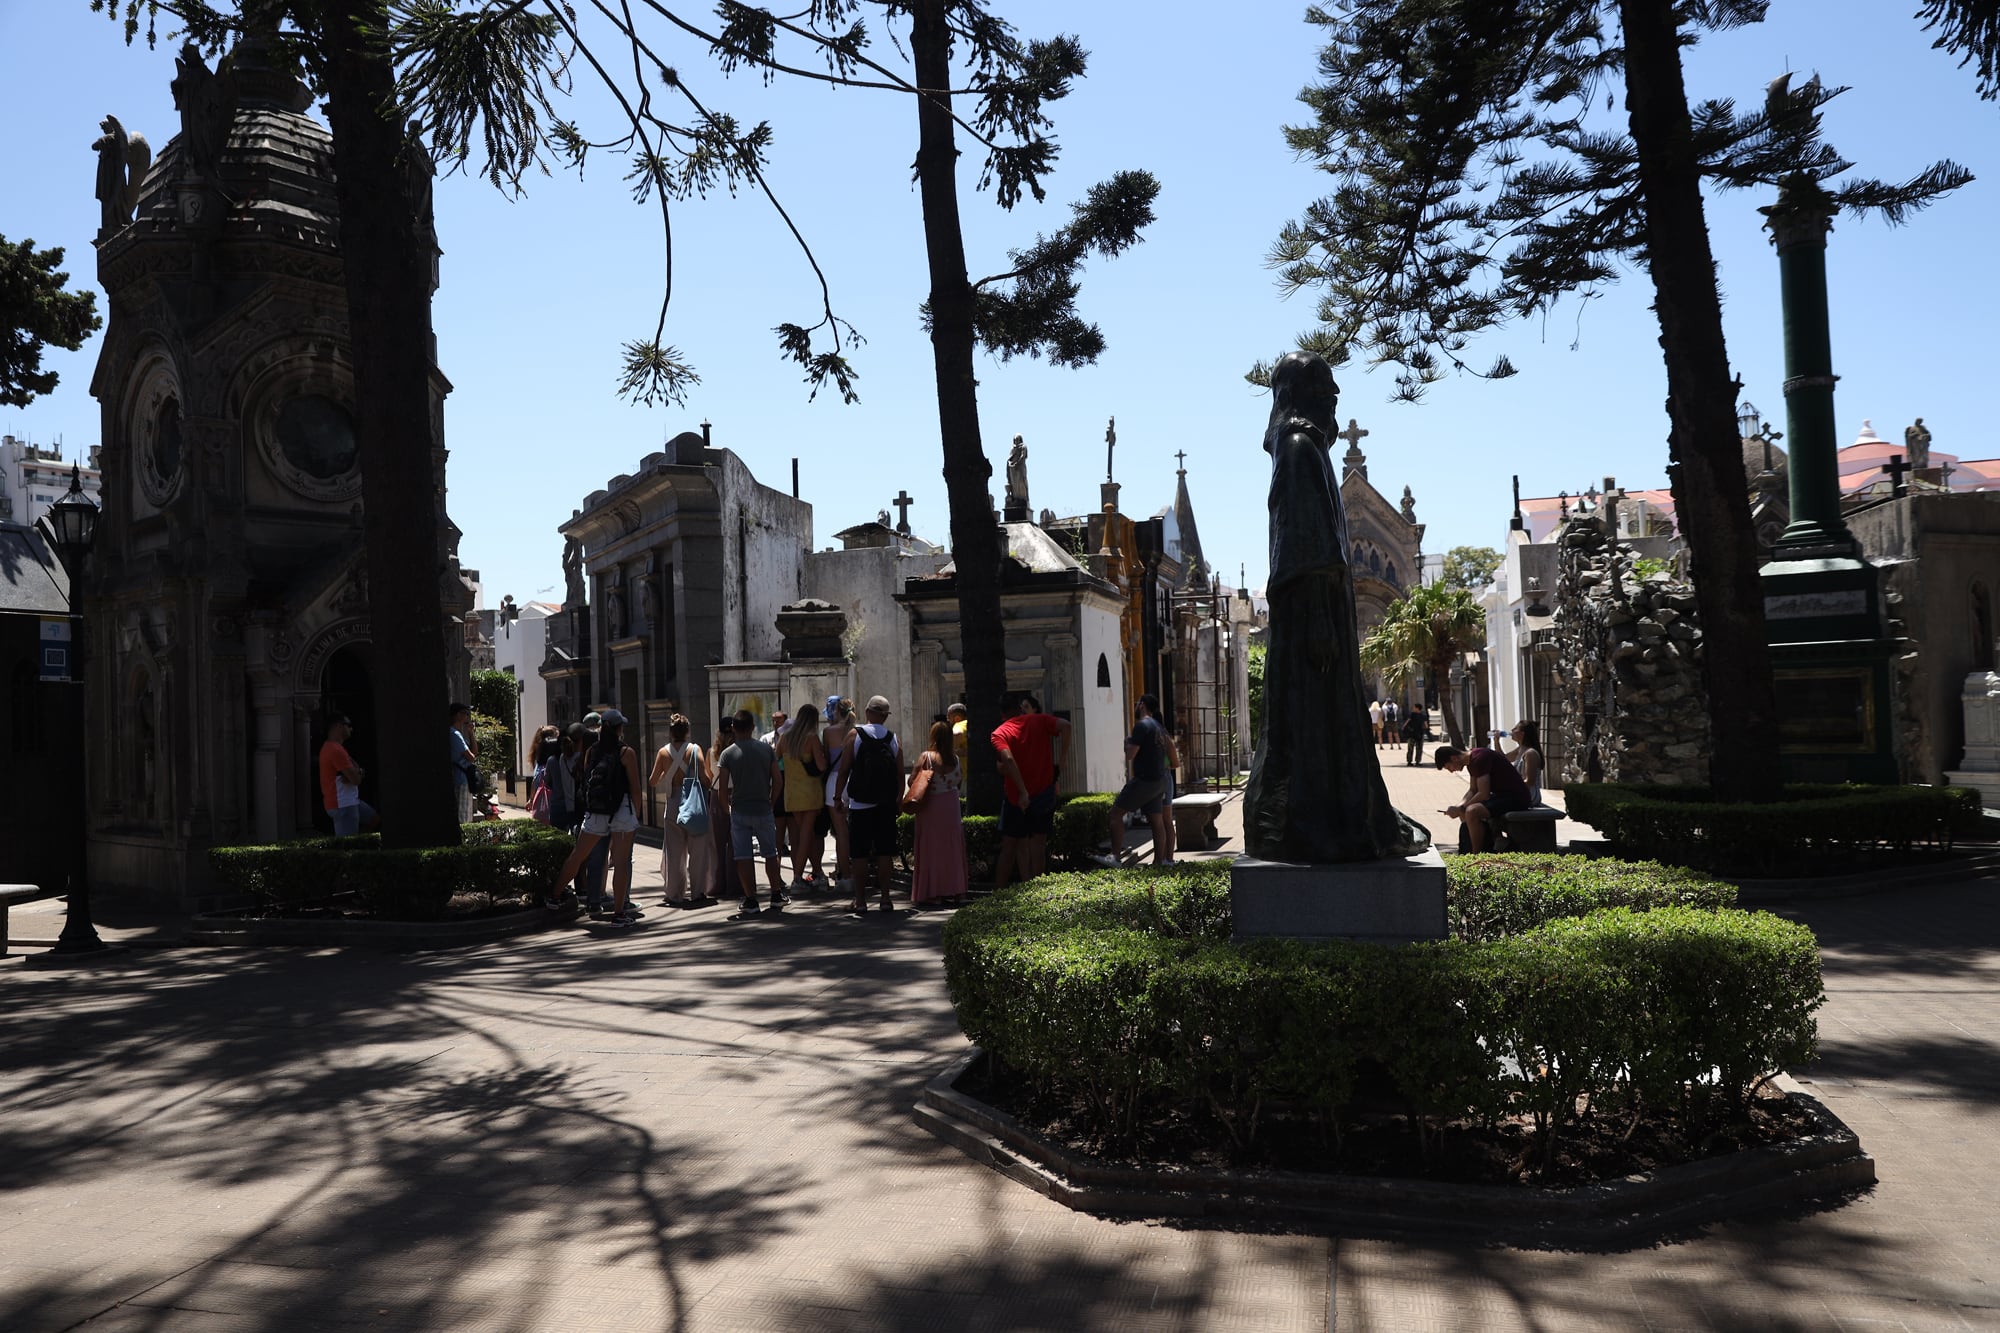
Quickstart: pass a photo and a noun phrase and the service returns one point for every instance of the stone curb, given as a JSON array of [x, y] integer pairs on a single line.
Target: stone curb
[[1628, 1211], [258, 932]]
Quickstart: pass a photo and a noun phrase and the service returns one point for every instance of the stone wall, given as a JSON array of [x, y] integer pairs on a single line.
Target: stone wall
[[1630, 650]]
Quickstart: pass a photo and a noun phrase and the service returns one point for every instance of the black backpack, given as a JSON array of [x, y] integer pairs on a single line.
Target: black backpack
[[604, 784], [877, 772]]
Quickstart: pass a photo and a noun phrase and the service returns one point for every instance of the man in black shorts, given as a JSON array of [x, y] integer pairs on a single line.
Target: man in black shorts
[[871, 782], [1496, 792], [1145, 788]]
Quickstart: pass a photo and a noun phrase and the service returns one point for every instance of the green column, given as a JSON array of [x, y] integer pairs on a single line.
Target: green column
[[1799, 223]]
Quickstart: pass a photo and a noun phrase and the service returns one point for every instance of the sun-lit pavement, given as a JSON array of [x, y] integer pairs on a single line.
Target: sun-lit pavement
[[705, 1126]]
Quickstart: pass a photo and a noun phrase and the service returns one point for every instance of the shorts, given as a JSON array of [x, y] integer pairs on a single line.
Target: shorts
[[622, 822], [871, 832], [348, 819], [746, 828], [1142, 794], [1037, 821], [1501, 804]]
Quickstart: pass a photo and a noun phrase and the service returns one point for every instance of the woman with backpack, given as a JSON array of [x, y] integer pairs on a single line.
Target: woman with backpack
[[611, 776], [684, 844]]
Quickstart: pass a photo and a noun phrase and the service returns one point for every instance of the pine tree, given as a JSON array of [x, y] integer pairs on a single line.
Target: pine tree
[[35, 313], [1474, 187]]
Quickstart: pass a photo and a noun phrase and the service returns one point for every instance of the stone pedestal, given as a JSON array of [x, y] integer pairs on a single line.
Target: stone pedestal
[[1980, 768], [1392, 901]]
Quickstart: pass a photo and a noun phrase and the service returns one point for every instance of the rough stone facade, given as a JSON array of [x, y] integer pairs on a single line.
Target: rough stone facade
[[1630, 649]]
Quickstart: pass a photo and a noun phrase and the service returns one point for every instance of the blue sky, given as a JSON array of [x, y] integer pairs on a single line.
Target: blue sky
[[539, 293]]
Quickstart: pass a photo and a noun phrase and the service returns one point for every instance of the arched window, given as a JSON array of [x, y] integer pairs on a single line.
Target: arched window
[[1103, 672]]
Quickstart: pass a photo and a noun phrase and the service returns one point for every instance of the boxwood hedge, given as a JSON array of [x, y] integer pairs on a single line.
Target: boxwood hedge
[[1613, 991], [1080, 826], [512, 856], [1813, 827]]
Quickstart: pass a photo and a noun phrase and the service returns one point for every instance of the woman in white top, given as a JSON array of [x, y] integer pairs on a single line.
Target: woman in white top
[[683, 856], [1527, 757]]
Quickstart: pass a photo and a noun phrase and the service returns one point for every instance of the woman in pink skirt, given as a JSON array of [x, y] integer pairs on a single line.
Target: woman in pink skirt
[[942, 873]]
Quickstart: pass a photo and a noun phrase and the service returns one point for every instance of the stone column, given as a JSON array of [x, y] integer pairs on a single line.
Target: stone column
[[1799, 223], [1065, 694]]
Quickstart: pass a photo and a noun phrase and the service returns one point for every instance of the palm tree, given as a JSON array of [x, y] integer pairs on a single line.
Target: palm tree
[[1424, 633]]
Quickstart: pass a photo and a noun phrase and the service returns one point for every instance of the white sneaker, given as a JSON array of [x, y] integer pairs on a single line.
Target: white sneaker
[[1107, 862]]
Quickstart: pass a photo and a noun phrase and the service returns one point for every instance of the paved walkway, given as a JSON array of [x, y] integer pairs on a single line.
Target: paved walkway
[[705, 1126]]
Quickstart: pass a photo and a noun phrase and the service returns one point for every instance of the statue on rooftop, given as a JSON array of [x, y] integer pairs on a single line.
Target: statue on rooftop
[[1316, 794], [1017, 475], [205, 101], [1918, 441], [122, 161]]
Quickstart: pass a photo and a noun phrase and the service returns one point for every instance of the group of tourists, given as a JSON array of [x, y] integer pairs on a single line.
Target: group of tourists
[[340, 776], [818, 776]]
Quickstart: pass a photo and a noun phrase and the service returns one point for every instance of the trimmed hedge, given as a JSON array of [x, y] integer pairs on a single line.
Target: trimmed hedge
[[1487, 896], [1082, 984], [1080, 825], [1814, 826], [514, 856]]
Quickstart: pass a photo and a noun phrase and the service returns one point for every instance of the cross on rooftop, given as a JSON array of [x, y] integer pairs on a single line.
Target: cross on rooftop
[[903, 501], [1353, 434], [1896, 468], [1182, 456]]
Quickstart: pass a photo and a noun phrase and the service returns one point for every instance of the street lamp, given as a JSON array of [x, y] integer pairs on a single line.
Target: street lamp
[[70, 527]]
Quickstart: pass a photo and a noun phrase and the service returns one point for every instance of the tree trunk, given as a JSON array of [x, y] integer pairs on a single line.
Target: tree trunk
[[1441, 673], [387, 268], [975, 539], [1711, 495]]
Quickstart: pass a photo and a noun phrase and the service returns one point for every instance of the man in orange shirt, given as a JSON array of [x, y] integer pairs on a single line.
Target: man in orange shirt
[[1026, 746], [340, 783]]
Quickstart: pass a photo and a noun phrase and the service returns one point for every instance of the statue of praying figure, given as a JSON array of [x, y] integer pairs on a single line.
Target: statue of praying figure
[[1918, 441], [1017, 474], [207, 105], [1316, 794]]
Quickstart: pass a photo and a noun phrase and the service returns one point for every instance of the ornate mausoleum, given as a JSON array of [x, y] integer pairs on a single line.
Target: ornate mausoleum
[[229, 607]]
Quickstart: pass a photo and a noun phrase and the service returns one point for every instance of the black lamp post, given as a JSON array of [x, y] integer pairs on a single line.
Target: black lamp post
[[71, 528]]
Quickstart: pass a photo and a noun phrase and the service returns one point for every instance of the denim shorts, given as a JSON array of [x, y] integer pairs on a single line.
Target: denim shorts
[[622, 822], [743, 828], [348, 819]]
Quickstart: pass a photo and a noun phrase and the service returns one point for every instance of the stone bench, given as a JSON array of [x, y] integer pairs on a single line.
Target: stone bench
[[17, 893], [1533, 829], [1194, 821]]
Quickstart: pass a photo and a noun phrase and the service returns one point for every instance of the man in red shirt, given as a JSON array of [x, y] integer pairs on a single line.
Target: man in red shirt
[[340, 783], [1026, 744], [1496, 792]]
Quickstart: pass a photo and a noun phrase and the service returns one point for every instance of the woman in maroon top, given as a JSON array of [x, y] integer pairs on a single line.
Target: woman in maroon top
[[1496, 791]]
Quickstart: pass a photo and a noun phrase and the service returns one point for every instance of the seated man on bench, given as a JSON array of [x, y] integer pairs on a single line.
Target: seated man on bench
[[1496, 791]]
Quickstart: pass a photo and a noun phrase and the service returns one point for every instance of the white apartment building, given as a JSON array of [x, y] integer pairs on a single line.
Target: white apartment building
[[33, 478]]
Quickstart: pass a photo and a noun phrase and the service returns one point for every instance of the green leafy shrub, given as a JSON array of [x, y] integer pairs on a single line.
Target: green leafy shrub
[[1080, 823], [1094, 984], [515, 856], [1815, 826], [1488, 896], [982, 842]]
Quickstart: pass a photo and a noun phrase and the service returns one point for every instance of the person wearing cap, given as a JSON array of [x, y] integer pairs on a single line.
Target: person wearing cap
[[340, 783], [613, 768], [871, 782], [747, 785], [1025, 744]]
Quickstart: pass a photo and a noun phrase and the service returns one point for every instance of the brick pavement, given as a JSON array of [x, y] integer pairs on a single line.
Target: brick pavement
[[704, 1126]]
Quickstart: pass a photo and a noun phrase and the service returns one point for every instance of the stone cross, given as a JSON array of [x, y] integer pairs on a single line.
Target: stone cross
[[1896, 467], [1182, 456], [1353, 434], [903, 501]]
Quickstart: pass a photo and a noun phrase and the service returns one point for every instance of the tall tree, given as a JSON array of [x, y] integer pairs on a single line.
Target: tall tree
[[35, 312], [477, 75], [1473, 189], [1423, 634], [1970, 30], [1470, 567], [385, 251]]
